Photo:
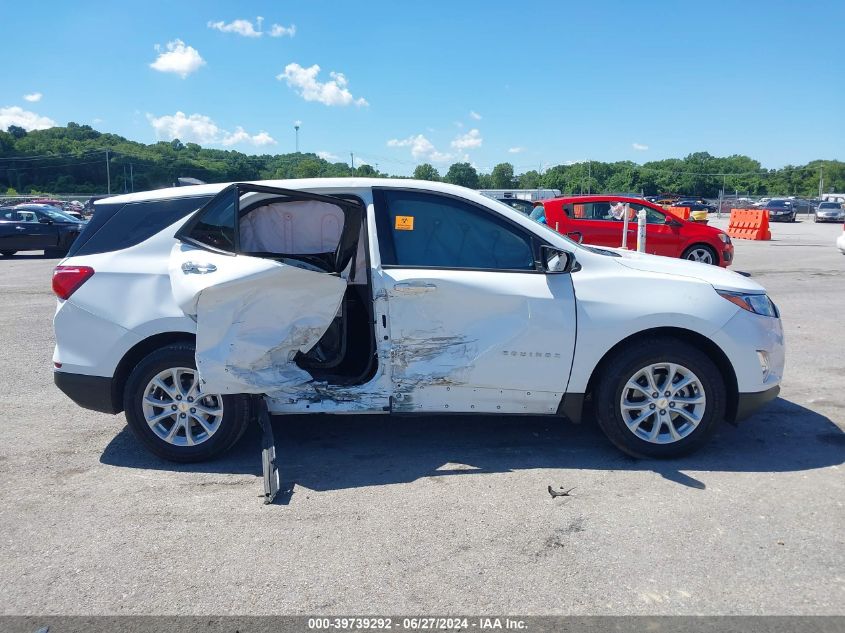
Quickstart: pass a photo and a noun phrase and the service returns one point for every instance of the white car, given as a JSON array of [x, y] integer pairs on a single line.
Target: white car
[[191, 308]]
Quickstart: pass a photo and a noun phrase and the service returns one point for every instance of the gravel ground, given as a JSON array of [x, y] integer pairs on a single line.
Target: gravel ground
[[394, 516]]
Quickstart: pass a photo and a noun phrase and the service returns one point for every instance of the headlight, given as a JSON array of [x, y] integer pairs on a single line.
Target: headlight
[[725, 238], [758, 304]]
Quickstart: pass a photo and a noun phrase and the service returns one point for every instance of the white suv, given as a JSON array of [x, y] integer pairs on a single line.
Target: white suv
[[190, 308]]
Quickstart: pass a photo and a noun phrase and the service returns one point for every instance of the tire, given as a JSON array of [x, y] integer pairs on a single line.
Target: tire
[[618, 372], [227, 428], [694, 253], [7, 253]]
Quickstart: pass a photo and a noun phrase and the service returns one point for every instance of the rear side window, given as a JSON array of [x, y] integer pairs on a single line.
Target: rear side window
[[428, 230], [215, 227], [115, 227]]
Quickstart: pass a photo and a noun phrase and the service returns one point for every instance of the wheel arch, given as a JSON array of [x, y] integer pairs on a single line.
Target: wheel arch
[[133, 356], [706, 345]]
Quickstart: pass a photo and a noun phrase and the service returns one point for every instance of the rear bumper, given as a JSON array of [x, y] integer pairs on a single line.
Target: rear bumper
[[748, 403], [89, 392]]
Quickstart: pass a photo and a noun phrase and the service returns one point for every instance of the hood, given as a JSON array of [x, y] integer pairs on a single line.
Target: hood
[[719, 278]]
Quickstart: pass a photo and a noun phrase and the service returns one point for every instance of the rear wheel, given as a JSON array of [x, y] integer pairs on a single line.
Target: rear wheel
[[170, 414], [660, 398], [7, 253], [701, 253]]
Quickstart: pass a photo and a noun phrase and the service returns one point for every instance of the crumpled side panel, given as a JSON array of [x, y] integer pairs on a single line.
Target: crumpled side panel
[[249, 330]]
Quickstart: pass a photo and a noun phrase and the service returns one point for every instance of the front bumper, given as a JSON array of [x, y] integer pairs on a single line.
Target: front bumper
[[748, 403], [830, 218], [89, 392], [780, 217]]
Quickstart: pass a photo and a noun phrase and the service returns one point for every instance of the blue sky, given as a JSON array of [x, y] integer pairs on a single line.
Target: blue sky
[[399, 83]]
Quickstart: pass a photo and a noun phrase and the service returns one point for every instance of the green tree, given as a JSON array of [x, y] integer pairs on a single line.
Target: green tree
[[16, 131], [366, 171], [529, 180], [426, 171], [502, 176], [462, 174]]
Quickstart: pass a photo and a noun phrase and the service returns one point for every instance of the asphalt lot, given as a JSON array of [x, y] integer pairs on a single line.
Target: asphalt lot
[[445, 516]]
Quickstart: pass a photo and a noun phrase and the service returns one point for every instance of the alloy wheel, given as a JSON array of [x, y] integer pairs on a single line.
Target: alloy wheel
[[663, 403], [700, 254], [176, 409]]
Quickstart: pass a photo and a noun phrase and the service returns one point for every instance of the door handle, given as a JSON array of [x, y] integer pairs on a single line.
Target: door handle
[[413, 287], [20, 228], [198, 269]]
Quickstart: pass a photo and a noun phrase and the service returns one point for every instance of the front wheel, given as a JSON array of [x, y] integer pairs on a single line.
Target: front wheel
[[659, 398], [172, 416], [701, 253]]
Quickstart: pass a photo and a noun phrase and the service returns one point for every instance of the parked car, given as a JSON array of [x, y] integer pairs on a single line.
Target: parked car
[[36, 227], [801, 205], [597, 220], [840, 241], [394, 296], [698, 210], [829, 212], [781, 210], [523, 206]]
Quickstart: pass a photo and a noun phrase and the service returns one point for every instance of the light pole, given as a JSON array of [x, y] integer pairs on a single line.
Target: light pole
[[296, 132]]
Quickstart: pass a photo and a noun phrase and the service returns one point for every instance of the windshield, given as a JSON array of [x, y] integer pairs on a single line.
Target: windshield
[[778, 204], [829, 205], [55, 214], [544, 228]]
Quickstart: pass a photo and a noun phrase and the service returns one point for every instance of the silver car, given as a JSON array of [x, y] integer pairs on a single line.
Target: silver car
[[829, 212]]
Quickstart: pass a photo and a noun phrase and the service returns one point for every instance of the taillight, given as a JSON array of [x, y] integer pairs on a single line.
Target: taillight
[[67, 279]]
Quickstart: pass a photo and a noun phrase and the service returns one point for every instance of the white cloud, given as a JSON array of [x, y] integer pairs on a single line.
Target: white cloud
[[34, 97], [421, 148], [516, 150], [242, 136], [469, 140], [474, 115], [199, 128], [639, 147], [328, 156], [262, 138], [331, 93], [178, 58], [15, 115], [196, 128], [243, 28], [277, 30]]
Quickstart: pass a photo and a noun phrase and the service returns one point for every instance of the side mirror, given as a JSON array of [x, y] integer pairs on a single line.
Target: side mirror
[[45, 221], [555, 260], [575, 236], [673, 221]]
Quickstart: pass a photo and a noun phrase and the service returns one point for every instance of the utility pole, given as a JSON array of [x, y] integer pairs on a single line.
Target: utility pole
[[352, 162], [589, 177], [108, 173], [821, 182], [132, 177]]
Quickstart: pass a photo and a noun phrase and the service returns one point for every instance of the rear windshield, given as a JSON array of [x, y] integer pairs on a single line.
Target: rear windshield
[[118, 226]]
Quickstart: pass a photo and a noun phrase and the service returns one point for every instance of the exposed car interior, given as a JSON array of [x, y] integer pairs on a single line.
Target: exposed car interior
[[312, 234]]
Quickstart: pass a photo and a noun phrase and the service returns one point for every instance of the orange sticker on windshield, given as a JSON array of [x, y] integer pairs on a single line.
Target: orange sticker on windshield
[[404, 223]]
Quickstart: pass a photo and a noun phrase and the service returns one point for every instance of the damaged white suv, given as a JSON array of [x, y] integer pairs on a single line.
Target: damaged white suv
[[190, 308]]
